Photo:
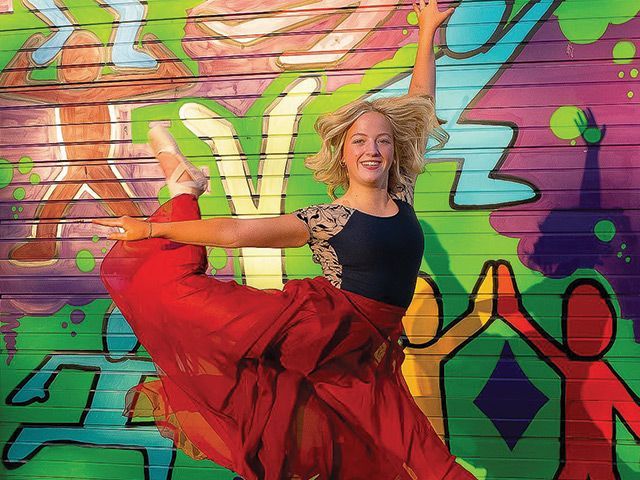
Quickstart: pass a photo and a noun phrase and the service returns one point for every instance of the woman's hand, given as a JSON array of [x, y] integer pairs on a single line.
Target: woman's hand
[[133, 229], [429, 17]]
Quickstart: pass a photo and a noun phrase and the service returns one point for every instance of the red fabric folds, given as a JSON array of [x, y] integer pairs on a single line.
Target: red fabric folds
[[271, 384]]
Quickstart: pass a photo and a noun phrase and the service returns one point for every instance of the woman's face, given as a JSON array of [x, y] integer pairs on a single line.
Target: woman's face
[[368, 150]]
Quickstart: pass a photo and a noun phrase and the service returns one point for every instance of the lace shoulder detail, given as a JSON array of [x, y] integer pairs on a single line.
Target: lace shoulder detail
[[325, 220]]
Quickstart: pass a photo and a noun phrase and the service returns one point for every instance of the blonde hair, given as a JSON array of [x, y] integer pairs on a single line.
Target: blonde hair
[[413, 120]]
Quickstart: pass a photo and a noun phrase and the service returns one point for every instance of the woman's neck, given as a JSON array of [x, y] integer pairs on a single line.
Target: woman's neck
[[376, 201]]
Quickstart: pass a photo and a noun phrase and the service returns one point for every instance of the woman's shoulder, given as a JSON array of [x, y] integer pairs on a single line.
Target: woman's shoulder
[[325, 219]]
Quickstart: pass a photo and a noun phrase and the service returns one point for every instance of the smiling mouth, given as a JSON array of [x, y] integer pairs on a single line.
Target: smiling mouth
[[371, 164]]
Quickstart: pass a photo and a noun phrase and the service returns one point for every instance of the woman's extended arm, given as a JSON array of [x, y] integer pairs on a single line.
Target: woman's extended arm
[[275, 232], [423, 81]]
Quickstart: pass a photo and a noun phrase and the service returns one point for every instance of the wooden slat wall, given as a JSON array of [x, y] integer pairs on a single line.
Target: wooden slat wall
[[525, 324]]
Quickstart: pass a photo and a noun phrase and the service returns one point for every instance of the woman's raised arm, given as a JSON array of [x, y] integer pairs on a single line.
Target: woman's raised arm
[[423, 81], [275, 232]]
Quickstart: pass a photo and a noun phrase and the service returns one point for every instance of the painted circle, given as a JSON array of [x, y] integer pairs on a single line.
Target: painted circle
[[620, 74], [77, 316], [19, 193], [630, 94], [25, 165], [623, 246], [64, 324], [568, 122], [85, 261], [14, 208], [605, 230], [95, 239], [623, 52], [217, 258], [412, 18], [627, 259], [633, 72], [592, 135], [34, 178], [6, 172]]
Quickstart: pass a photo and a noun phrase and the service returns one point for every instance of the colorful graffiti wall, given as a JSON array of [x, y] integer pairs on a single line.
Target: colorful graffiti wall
[[525, 325]]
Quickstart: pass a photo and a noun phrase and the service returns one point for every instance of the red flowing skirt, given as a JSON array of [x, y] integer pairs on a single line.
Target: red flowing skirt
[[298, 383]]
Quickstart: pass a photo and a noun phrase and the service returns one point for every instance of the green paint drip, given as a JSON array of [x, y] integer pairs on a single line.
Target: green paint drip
[[34, 178], [217, 258], [605, 230], [623, 52], [568, 122], [580, 25], [6, 173], [25, 165], [592, 135], [19, 193], [85, 261]]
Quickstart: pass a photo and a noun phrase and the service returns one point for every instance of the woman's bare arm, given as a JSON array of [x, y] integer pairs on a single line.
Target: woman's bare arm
[[423, 81], [274, 232]]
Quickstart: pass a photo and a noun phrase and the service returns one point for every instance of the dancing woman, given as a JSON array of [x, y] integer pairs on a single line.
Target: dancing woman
[[303, 382]]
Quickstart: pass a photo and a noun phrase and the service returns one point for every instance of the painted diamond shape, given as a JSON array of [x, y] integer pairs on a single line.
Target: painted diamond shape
[[509, 399]]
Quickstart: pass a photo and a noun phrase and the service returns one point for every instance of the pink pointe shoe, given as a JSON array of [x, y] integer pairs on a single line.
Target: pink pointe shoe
[[161, 141]]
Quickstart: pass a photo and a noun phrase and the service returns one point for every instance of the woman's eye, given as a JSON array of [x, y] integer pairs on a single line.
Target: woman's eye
[[385, 140], [358, 140]]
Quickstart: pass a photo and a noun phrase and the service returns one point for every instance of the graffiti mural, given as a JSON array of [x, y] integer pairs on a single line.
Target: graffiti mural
[[523, 338]]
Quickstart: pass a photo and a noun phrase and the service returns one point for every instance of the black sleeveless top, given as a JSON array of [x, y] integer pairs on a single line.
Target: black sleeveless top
[[377, 257]]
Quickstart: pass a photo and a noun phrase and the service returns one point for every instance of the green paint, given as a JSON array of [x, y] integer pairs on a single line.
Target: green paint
[[163, 195], [568, 122], [19, 193], [412, 18], [167, 20], [630, 94], [34, 179], [48, 73], [573, 142], [6, 173], [634, 72], [623, 246], [85, 261], [95, 239], [217, 258], [592, 135], [605, 230], [405, 31], [623, 52], [517, 6], [627, 259], [620, 74], [25, 165], [20, 209], [619, 254], [580, 25], [15, 216], [14, 208], [103, 250]]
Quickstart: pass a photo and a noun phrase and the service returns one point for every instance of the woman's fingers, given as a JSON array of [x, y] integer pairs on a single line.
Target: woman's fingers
[[108, 222]]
